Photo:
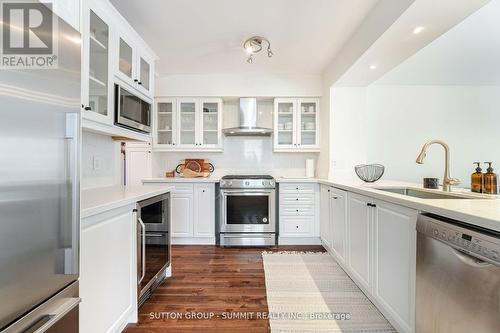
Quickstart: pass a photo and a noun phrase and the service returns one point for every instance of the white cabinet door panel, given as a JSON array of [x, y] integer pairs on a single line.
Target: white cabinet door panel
[[338, 213], [205, 210], [325, 220], [359, 239], [182, 215], [394, 260]]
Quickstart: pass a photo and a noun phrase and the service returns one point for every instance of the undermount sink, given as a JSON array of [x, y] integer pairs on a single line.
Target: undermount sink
[[427, 194]]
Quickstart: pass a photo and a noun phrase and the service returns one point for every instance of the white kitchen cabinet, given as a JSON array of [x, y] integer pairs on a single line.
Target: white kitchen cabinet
[[138, 161], [108, 273], [133, 66], [381, 252], [205, 210], [296, 124], [325, 226], [193, 212], [338, 223], [299, 213], [394, 258], [359, 240], [182, 214], [97, 89], [188, 124]]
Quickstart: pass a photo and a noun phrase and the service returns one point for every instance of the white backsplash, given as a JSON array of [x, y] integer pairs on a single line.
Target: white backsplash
[[101, 161], [242, 155]]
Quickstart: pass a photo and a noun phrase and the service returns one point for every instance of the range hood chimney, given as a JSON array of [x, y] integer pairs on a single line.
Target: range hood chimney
[[248, 120]]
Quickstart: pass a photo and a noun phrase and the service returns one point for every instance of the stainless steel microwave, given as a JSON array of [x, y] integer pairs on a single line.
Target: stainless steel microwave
[[131, 111]]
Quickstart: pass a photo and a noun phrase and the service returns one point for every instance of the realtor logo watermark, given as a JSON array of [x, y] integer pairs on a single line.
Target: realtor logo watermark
[[28, 35]]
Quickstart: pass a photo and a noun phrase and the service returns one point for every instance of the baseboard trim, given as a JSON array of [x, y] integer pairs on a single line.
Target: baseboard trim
[[193, 240], [299, 241]]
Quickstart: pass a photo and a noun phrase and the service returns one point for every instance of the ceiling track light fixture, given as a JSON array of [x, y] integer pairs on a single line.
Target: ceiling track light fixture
[[254, 45]]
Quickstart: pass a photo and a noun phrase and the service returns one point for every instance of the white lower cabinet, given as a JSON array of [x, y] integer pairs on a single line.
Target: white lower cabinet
[[299, 213], [108, 285], [359, 240], [193, 213], [375, 242], [182, 214], [394, 262], [325, 226], [338, 223]]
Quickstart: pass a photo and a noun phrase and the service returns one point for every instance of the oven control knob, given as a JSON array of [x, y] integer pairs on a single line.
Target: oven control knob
[[223, 182], [263, 183], [230, 184], [247, 183], [271, 183]]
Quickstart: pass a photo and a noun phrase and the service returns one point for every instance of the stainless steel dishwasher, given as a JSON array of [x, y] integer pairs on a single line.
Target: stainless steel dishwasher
[[458, 277]]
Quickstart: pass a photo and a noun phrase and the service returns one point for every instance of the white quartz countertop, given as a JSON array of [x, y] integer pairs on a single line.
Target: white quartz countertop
[[480, 212], [98, 200], [210, 179]]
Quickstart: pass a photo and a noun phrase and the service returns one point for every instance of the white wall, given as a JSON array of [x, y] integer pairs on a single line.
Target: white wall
[[108, 169], [401, 119], [241, 156], [348, 131], [244, 154], [219, 85]]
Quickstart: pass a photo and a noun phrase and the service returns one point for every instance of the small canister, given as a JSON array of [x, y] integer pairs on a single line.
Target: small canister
[[431, 183]]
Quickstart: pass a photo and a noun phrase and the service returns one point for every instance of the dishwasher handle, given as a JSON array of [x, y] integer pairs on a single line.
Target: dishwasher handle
[[470, 260]]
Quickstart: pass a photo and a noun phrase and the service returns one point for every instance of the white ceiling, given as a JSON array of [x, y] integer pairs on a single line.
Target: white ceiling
[[398, 43], [468, 54], [206, 36]]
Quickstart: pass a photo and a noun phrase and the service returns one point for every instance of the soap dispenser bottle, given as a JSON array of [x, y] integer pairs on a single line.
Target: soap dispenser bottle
[[477, 179], [490, 181]]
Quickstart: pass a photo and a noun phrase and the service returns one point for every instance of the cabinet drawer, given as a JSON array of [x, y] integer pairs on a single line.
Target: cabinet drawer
[[182, 188], [297, 210], [296, 187], [296, 199], [296, 226]]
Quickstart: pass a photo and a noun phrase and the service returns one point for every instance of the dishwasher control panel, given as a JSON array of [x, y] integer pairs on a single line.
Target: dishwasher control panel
[[471, 241]]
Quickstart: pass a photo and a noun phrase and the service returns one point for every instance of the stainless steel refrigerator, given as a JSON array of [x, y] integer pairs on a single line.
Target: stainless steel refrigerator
[[39, 192]]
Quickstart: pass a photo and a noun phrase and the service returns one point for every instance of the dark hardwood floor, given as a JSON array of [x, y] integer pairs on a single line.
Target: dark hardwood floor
[[210, 280]]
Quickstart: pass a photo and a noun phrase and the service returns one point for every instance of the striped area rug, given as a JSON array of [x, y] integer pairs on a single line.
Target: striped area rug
[[309, 292]]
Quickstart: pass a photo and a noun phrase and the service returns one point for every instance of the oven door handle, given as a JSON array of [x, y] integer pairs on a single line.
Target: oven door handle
[[246, 192], [143, 252], [155, 235]]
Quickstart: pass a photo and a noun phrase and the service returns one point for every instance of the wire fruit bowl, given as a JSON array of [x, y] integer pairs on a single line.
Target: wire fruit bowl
[[369, 172]]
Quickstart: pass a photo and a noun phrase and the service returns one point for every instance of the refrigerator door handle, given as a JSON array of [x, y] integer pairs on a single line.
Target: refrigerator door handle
[[71, 262], [45, 322]]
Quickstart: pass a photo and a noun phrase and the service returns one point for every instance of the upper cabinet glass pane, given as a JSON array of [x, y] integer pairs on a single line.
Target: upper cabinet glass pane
[[308, 123], [98, 65], [210, 123], [188, 123], [285, 123], [145, 72], [125, 58], [165, 123]]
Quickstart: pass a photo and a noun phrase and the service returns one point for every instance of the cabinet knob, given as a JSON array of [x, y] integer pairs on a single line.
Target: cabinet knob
[[203, 191], [297, 226], [297, 199], [297, 210], [135, 80], [139, 82], [87, 108]]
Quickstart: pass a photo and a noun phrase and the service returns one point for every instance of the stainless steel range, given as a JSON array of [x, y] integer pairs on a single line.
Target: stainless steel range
[[247, 211]]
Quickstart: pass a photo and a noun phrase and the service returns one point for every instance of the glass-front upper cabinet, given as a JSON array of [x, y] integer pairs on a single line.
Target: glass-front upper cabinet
[[187, 122], [126, 59], [165, 122], [296, 124], [308, 122], [96, 67], [210, 122], [285, 124], [144, 74]]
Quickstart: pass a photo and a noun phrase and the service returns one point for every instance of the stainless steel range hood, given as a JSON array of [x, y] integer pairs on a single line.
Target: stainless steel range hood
[[248, 121]]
